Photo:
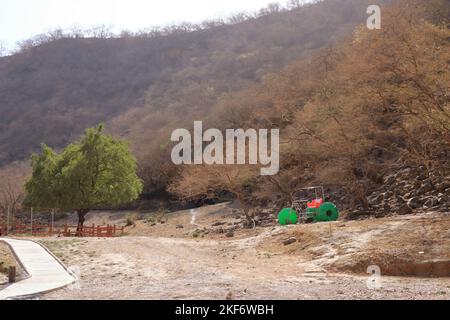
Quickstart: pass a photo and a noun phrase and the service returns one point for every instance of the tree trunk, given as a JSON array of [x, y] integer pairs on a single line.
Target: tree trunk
[[81, 218]]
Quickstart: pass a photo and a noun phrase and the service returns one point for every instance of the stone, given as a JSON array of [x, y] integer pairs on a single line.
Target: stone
[[289, 241], [442, 186], [426, 187], [388, 194], [404, 209], [230, 234], [431, 202], [414, 203], [417, 182], [180, 226], [442, 198], [389, 179], [374, 199]]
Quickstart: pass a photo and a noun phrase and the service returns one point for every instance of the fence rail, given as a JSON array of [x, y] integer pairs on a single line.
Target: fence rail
[[64, 231]]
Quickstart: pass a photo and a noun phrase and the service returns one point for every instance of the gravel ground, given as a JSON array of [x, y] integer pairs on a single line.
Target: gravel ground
[[324, 261], [253, 267]]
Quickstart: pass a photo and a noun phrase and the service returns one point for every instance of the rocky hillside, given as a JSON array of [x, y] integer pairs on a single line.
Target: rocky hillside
[[412, 188]]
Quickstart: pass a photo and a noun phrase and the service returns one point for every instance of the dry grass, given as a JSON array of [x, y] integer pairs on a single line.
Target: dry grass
[[6, 260], [414, 245]]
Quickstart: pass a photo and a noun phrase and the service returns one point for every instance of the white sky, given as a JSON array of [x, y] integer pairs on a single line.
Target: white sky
[[22, 19]]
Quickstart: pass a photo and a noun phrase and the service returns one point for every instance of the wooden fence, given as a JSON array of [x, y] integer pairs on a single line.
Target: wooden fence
[[92, 231], [64, 231]]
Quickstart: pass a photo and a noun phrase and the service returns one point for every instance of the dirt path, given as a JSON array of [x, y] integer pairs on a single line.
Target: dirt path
[[165, 268]]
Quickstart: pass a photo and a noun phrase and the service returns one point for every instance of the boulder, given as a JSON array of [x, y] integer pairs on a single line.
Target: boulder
[[289, 241], [414, 203]]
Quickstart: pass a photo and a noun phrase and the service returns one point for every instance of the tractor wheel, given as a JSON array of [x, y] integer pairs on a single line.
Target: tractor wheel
[[327, 212], [287, 216]]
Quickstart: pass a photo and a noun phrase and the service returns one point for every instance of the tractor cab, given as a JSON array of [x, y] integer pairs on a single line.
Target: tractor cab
[[315, 204]]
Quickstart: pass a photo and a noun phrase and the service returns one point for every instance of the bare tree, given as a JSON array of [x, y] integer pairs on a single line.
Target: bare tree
[[274, 7], [207, 181], [238, 18], [77, 32], [3, 50], [294, 4], [11, 187], [101, 32]]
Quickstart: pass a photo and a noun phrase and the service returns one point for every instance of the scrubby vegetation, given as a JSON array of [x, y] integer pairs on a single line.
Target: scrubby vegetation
[[60, 83], [351, 114]]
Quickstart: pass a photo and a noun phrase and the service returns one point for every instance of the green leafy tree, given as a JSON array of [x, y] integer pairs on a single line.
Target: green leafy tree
[[97, 171]]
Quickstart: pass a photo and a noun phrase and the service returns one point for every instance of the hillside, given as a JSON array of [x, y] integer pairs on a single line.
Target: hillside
[[369, 119], [54, 88]]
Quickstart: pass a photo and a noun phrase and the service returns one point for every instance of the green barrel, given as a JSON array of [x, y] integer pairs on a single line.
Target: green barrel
[[327, 212], [287, 216]]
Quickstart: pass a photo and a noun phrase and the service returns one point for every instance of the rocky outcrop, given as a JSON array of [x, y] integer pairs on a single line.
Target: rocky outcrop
[[410, 189]]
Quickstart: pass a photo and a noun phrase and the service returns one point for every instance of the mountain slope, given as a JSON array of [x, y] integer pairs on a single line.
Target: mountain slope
[[51, 92]]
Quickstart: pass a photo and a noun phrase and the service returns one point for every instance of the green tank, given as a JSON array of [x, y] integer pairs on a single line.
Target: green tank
[[327, 212], [287, 216]]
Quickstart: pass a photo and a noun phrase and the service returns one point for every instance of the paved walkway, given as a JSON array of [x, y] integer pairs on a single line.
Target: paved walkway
[[46, 273]]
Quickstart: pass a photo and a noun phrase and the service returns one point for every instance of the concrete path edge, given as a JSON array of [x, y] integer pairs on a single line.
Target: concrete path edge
[[28, 275]]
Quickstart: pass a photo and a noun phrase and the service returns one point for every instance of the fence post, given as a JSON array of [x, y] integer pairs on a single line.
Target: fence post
[[12, 274], [53, 222], [7, 221]]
